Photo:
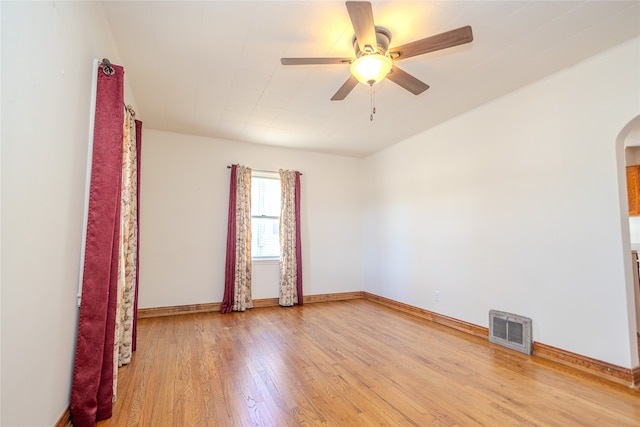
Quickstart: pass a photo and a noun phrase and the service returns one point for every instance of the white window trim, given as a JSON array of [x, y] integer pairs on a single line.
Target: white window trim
[[265, 260]]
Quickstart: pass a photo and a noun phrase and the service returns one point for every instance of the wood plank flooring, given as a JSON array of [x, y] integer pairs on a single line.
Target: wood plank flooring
[[348, 363]]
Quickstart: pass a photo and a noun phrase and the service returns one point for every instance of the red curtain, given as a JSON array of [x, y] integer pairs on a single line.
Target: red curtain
[[92, 386], [135, 301], [230, 265], [298, 242]]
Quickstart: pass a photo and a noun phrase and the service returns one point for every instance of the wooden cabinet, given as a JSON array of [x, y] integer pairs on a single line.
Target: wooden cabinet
[[633, 189]]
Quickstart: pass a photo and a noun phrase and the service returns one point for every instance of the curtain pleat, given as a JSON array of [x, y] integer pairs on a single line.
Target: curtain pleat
[[237, 289], [92, 386], [290, 290], [135, 299], [230, 263], [242, 282], [128, 248], [300, 298]]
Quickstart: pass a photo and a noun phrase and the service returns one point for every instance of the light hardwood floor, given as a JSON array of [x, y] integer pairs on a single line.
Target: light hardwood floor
[[348, 363]]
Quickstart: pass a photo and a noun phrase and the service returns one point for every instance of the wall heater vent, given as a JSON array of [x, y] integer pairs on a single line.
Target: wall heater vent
[[510, 330]]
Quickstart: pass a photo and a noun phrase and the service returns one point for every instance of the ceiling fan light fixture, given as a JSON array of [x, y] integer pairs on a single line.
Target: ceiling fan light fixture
[[370, 69], [374, 59]]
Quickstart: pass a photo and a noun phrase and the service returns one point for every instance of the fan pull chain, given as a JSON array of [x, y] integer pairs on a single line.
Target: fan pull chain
[[373, 101]]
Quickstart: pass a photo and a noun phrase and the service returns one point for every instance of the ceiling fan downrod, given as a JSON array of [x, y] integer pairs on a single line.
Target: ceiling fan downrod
[[373, 99]]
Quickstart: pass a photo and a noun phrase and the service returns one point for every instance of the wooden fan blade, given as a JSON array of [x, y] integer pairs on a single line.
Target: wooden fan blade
[[361, 15], [345, 89], [440, 41], [407, 81], [315, 61]]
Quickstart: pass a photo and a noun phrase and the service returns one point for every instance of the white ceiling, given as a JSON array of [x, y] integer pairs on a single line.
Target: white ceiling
[[212, 68]]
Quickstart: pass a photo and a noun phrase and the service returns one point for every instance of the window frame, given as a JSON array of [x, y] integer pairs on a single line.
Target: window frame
[[270, 259]]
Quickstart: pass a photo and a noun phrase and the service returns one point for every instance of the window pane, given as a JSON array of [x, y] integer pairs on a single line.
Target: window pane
[[265, 197], [265, 240], [265, 216]]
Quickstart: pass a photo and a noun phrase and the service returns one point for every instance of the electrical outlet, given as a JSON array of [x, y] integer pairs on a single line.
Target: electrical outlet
[[437, 296]]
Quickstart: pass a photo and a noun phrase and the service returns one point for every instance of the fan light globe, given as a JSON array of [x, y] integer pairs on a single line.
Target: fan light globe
[[370, 69]]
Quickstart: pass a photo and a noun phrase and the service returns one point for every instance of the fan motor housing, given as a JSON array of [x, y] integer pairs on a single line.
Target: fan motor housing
[[383, 38]]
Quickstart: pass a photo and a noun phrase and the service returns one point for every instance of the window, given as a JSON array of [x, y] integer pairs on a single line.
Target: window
[[265, 215]]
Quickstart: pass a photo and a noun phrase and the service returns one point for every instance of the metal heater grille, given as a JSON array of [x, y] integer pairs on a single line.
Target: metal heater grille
[[510, 330]]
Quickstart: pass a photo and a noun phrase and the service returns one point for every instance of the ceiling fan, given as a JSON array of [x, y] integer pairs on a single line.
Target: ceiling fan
[[374, 60]]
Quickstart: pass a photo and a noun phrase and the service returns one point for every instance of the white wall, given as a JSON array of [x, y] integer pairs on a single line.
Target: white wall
[[184, 204], [47, 59], [514, 206], [634, 230]]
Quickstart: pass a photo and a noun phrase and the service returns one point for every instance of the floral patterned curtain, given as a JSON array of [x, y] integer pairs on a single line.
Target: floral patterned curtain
[[242, 288], [127, 256], [237, 293], [290, 252]]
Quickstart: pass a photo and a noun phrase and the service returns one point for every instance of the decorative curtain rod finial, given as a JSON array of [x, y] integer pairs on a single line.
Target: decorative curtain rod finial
[[106, 67]]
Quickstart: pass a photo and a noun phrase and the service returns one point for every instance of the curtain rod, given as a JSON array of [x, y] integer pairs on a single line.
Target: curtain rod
[[262, 170]]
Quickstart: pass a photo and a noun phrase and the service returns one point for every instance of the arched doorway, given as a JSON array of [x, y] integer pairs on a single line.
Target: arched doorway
[[628, 154]]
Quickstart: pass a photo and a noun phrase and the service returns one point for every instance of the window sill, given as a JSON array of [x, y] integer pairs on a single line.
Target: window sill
[[265, 261]]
